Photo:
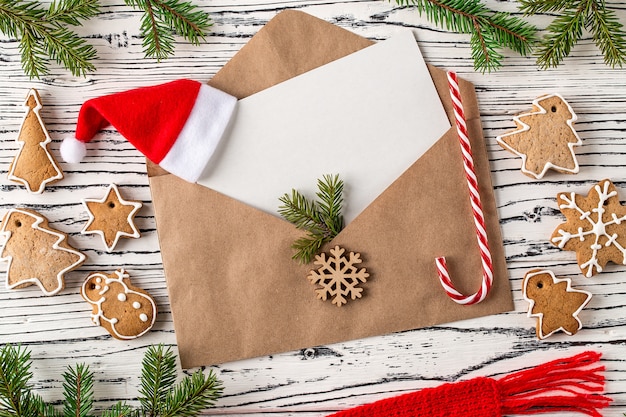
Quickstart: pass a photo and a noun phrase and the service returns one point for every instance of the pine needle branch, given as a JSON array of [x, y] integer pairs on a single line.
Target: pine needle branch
[[192, 395], [158, 376], [164, 17], [42, 34], [16, 397], [490, 30], [566, 30], [321, 220], [78, 391], [160, 397]]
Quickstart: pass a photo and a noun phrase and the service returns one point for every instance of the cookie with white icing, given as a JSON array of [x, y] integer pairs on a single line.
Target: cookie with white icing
[[545, 137], [34, 166], [124, 310], [36, 253], [553, 302]]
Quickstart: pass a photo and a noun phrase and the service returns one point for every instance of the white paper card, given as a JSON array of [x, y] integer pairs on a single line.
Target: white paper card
[[367, 117]]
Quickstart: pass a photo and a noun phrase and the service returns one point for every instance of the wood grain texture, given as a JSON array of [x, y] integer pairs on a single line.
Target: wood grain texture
[[322, 379]]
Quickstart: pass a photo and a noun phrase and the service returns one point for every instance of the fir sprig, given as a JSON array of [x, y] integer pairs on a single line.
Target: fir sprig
[[322, 220], [567, 29], [43, 34], [490, 30], [157, 378], [161, 17], [193, 394], [78, 391]]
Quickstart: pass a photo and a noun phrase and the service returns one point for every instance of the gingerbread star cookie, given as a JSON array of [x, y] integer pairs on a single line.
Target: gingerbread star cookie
[[595, 228], [111, 217], [553, 302], [36, 253], [33, 165], [124, 310], [545, 137]]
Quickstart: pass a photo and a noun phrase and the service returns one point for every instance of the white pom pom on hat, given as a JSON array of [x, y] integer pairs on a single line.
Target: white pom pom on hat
[[177, 125]]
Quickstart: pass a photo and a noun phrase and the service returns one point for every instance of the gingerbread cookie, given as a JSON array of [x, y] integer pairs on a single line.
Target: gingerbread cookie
[[553, 302], [36, 253], [124, 310], [595, 228], [545, 137], [34, 166], [111, 217]]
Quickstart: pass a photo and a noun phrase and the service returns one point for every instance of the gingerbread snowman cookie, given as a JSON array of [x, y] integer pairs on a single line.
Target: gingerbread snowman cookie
[[124, 310]]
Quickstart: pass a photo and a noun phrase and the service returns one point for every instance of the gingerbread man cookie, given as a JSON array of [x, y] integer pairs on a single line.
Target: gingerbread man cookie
[[112, 217], [36, 253], [553, 302], [545, 137], [595, 228], [124, 310], [34, 166]]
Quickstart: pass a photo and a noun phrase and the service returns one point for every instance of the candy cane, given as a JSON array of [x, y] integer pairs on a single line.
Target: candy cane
[[479, 219]]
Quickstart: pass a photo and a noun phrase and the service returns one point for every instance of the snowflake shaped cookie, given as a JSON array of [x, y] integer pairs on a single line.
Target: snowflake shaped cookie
[[111, 217], [595, 227], [545, 137], [553, 302], [338, 277]]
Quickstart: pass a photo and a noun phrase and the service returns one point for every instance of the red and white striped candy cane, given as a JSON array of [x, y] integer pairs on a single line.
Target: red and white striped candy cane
[[479, 219]]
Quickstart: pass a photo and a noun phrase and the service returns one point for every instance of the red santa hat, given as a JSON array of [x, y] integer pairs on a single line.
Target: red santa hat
[[177, 125]]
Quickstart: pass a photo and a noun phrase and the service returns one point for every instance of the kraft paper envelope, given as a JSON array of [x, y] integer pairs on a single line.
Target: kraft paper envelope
[[234, 290]]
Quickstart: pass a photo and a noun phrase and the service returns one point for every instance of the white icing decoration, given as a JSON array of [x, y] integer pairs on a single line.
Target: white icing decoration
[[6, 234], [59, 174], [136, 305], [99, 315], [137, 205], [97, 287], [121, 296], [98, 280], [594, 227]]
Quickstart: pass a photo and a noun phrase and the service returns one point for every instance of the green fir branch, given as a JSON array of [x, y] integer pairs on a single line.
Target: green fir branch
[[78, 391], [120, 409], [16, 397], [157, 378], [163, 18], [322, 220], [43, 35], [567, 28], [192, 395], [187, 399], [490, 30]]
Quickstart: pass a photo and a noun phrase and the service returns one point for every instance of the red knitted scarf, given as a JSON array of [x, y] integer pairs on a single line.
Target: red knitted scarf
[[571, 384]]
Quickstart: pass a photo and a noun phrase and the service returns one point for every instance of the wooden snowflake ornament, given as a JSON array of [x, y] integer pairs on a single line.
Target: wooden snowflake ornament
[[338, 277], [595, 228]]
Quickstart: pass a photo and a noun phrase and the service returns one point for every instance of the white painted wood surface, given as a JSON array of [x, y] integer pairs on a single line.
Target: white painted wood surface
[[319, 380]]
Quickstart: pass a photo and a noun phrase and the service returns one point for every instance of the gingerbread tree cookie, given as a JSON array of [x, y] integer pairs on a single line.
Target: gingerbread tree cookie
[[36, 253], [34, 166], [112, 217], [124, 310], [545, 137], [553, 302], [595, 228], [338, 277]]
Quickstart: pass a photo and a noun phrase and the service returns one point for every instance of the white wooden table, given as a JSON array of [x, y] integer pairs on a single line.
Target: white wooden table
[[318, 380]]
